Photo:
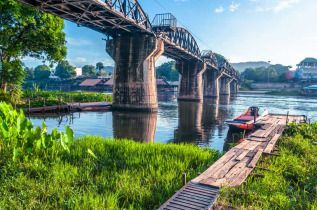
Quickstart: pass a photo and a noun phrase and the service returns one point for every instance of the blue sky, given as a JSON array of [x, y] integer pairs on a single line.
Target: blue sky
[[280, 31]]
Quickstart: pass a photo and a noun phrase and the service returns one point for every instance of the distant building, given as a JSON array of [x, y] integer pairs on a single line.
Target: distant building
[[79, 72], [310, 90], [307, 69], [52, 76], [92, 83]]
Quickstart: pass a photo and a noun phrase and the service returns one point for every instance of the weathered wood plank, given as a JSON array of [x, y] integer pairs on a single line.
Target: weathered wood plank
[[240, 157], [255, 158], [271, 144]]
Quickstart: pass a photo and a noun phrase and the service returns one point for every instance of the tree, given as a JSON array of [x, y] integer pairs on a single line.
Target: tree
[[12, 73], [88, 70], [29, 73], [164, 71], [64, 70], [100, 67], [42, 72], [174, 75], [26, 31]]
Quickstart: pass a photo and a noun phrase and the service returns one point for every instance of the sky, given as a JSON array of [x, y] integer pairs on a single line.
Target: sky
[[279, 31]]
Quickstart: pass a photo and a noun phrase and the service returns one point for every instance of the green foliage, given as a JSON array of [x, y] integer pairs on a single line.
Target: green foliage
[[42, 72], [29, 73], [18, 136], [246, 85], [283, 93], [50, 171], [88, 70], [100, 67], [26, 31], [64, 70], [11, 74], [292, 181], [273, 73], [168, 71], [52, 98]]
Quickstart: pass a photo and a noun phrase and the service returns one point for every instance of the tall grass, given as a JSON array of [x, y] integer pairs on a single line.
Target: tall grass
[[292, 181], [90, 173]]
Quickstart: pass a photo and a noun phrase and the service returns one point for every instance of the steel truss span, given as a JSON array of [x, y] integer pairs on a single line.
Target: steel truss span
[[126, 17]]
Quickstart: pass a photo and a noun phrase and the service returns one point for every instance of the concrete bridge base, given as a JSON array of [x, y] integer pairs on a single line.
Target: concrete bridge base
[[190, 83], [134, 77], [225, 86], [233, 87], [211, 83]]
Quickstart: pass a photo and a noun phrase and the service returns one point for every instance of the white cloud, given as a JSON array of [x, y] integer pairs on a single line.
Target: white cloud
[[219, 10], [281, 5], [234, 6], [78, 42]]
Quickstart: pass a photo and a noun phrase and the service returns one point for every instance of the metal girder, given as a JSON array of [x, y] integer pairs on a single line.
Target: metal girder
[[112, 17]]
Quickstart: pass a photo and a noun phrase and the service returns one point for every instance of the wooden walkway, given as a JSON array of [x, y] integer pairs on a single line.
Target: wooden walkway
[[92, 106], [233, 168]]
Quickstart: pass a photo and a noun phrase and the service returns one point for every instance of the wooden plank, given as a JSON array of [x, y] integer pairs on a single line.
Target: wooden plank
[[200, 190], [187, 205], [255, 158], [223, 170], [271, 144], [220, 162], [237, 169], [239, 146], [241, 177], [187, 193], [260, 139], [193, 196], [202, 187], [178, 207], [215, 182], [190, 203], [240, 157], [181, 198]]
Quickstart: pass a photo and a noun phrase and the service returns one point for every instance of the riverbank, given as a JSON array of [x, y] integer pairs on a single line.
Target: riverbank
[[90, 173], [290, 181], [274, 93]]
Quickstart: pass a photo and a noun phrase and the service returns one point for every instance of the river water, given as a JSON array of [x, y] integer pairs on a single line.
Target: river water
[[177, 122]]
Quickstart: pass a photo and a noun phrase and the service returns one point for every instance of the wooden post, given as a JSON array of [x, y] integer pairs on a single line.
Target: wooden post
[[29, 105], [15, 103], [44, 105], [255, 114], [287, 118], [59, 104], [184, 179]]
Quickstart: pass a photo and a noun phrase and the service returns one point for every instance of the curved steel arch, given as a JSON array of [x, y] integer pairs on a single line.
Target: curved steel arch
[[183, 39], [210, 58]]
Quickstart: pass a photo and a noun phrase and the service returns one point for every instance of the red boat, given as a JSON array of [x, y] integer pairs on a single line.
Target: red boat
[[247, 119]]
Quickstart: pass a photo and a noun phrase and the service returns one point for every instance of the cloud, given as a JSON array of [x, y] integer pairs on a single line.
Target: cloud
[[78, 42], [281, 5], [234, 6], [219, 10]]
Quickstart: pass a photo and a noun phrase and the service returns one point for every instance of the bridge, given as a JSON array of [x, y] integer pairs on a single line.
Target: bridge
[[135, 43]]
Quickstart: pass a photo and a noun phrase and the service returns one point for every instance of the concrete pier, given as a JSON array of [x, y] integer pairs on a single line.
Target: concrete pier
[[225, 85], [190, 84], [233, 87], [211, 83], [134, 77]]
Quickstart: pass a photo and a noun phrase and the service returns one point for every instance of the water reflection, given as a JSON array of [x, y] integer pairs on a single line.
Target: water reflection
[[137, 126], [193, 122]]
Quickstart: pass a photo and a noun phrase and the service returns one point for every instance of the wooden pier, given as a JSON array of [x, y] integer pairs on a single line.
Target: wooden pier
[[92, 106], [233, 168]]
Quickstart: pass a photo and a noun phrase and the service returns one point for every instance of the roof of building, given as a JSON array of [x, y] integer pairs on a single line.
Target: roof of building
[[109, 82], [161, 82], [309, 60], [175, 83], [91, 82], [312, 87]]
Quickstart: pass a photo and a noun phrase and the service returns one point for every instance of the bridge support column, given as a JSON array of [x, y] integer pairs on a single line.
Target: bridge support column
[[233, 87], [134, 78], [211, 83], [190, 83], [225, 86]]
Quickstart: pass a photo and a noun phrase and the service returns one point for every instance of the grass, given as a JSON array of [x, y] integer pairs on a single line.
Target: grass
[[292, 181], [117, 174], [283, 93]]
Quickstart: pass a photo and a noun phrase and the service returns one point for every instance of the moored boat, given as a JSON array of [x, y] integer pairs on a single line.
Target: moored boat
[[247, 119]]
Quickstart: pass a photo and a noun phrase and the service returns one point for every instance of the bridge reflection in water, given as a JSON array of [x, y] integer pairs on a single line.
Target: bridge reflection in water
[[137, 126], [200, 123]]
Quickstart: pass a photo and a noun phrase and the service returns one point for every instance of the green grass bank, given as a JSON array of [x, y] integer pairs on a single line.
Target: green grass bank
[[283, 93], [41, 170], [291, 182]]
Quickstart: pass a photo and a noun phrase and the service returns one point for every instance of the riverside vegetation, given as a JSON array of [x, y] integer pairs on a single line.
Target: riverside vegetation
[[52, 98], [53, 171], [291, 182]]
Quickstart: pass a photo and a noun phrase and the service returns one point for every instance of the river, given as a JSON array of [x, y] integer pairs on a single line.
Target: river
[[177, 122]]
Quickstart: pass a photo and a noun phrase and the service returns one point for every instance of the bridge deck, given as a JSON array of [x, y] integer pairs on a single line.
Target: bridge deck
[[234, 167]]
